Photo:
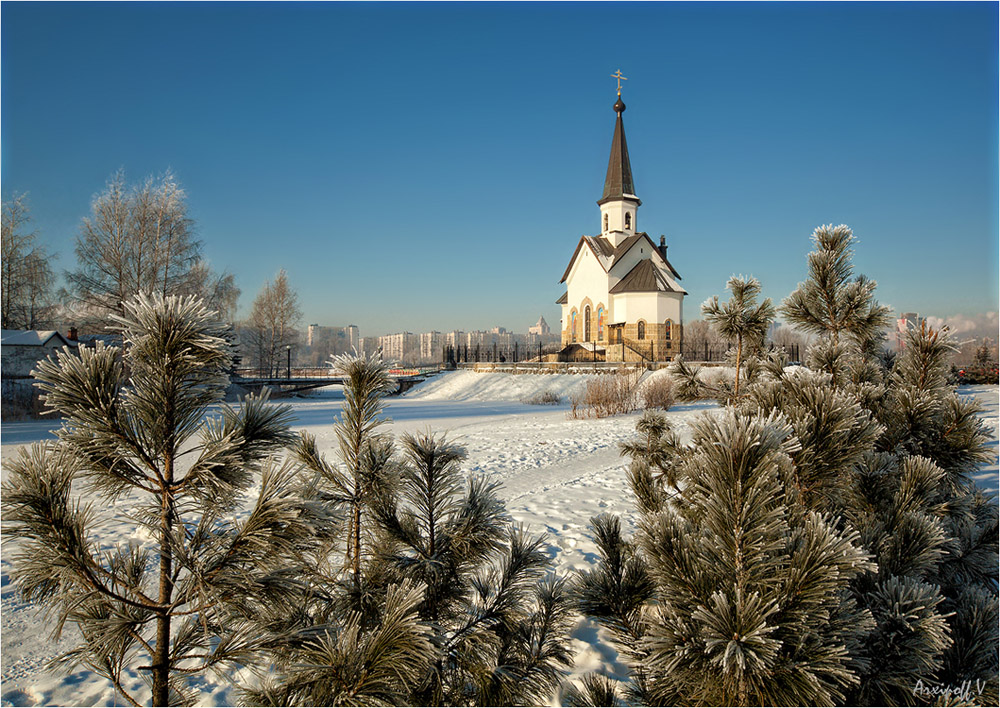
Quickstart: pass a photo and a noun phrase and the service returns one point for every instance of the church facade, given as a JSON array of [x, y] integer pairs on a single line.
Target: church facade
[[623, 300]]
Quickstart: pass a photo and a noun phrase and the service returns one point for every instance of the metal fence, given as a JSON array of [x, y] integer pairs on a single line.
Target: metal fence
[[707, 353], [464, 354], [644, 350], [295, 372]]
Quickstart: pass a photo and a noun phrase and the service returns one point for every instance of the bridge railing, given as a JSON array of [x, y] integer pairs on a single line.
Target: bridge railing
[[312, 372], [322, 372]]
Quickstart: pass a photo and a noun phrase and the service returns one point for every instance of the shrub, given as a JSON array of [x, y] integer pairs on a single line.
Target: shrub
[[976, 375], [657, 392], [607, 395], [542, 398]]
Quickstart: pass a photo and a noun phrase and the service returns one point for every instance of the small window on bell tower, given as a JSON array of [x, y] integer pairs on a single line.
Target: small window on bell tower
[[605, 222], [628, 220]]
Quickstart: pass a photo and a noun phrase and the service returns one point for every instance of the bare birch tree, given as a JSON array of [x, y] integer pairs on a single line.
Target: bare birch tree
[[218, 290], [140, 239], [271, 326], [27, 275]]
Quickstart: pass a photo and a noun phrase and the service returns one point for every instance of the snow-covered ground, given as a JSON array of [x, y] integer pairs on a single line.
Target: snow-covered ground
[[557, 473], [989, 400]]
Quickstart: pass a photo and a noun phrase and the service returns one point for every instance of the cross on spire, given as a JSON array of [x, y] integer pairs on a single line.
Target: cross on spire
[[618, 75]]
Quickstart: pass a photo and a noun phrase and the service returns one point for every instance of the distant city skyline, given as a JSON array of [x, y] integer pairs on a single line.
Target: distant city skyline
[[431, 166]]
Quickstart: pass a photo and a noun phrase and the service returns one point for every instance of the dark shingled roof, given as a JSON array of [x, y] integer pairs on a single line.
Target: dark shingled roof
[[644, 278], [625, 245], [603, 245], [607, 255], [564, 299], [618, 182]]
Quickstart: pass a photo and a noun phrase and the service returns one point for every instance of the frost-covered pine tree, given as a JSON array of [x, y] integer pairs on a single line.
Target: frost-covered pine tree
[[499, 622], [439, 600], [654, 455], [889, 448], [832, 302], [327, 652], [364, 451], [135, 431], [884, 454], [933, 533], [741, 319], [354, 636], [733, 593], [895, 461]]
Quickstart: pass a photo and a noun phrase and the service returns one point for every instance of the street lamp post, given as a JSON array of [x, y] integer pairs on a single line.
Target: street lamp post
[[288, 369]]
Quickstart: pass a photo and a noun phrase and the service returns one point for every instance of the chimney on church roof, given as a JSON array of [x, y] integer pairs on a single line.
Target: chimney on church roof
[[663, 246], [618, 182]]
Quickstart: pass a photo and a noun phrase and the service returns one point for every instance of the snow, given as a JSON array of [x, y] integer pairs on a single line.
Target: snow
[[557, 473], [32, 338], [989, 400], [468, 385]]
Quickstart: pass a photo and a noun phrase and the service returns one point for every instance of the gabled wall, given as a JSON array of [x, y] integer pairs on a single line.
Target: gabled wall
[[640, 251], [587, 283]]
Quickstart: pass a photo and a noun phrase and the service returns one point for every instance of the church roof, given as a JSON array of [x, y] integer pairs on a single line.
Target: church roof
[[603, 247], [607, 255], [564, 300], [618, 183], [643, 278], [626, 245]]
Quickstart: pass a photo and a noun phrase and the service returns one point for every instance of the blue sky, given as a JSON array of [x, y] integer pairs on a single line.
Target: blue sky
[[433, 165]]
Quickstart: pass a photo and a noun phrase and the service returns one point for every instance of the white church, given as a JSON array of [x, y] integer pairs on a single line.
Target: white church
[[623, 299]]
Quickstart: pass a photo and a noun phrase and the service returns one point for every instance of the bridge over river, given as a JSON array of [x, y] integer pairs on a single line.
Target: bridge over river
[[304, 379]]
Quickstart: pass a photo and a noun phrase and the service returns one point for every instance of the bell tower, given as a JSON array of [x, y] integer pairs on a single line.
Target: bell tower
[[619, 204]]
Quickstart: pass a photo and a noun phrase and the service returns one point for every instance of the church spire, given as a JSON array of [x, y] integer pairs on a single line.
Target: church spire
[[618, 182]]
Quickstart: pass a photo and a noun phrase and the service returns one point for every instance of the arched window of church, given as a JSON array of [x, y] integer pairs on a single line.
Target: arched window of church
[[572, 325], [668, 324], [641, 330], [628, 220], [586, 324], [600, 324], [605, 222]]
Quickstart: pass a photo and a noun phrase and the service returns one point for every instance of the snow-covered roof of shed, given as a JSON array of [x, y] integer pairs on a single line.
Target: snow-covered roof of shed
[[110, 340], [31, 337]]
